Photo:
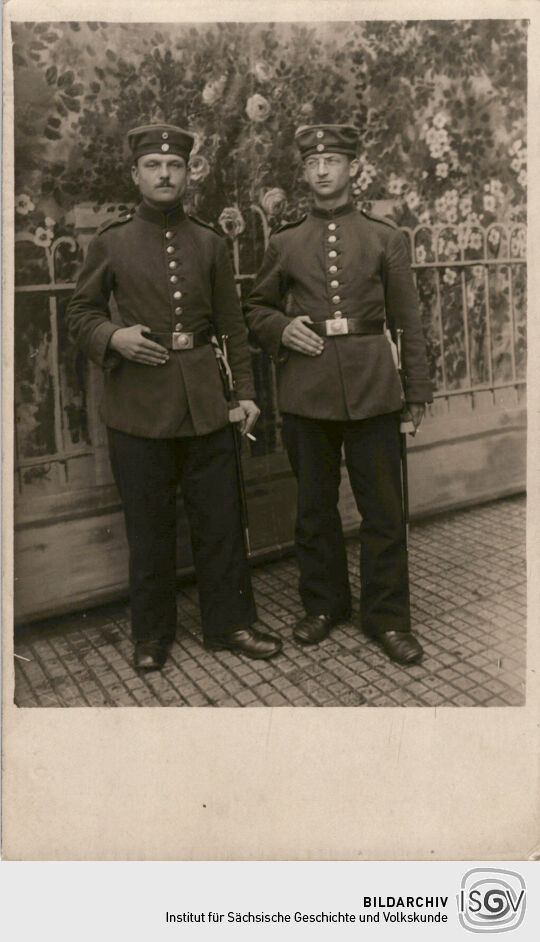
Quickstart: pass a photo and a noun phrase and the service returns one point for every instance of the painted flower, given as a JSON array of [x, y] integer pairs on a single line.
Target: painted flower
[[489, 203], [368, 170], [437, 142], [473, 219], [50, 222], [449, 276], [522, 178], [515, 164], [451, 214], [516, 146], [273, 201], [440, 206], [23, 204], [232, 221], [475, 241], [364, 180], [496, 187], [424, 218], [396, 184], [441, 171], [494, 237], [43, 237], [412, 199], [421, 254], [436, 151], [439, 120], [257, 108], [451, 197], [307, 108], [471, 294], [199, 168], [213, 90], [263, 71]]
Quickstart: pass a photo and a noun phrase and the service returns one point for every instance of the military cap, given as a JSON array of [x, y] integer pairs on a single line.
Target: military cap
[[329, 138], [160, 138]]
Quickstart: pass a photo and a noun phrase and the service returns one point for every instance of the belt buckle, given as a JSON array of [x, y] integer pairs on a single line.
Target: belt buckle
[[182, 341], [337, 326]]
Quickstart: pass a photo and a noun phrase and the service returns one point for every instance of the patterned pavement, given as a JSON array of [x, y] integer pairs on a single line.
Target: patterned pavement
[[468, 586]]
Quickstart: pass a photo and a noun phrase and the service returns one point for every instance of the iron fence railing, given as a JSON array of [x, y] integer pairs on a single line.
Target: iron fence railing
[[471, 284], [489, 265]]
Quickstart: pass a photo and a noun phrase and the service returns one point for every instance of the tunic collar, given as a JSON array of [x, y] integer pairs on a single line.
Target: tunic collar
[[165, 219], [331, 213]]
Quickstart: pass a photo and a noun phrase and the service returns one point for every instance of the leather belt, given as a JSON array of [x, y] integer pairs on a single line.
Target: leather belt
[[180, 339], [340, 326]]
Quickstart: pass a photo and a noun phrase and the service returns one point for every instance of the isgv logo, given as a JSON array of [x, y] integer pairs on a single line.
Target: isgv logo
[[491, 900]]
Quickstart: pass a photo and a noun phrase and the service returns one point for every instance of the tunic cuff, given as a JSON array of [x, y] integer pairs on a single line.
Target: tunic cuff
[[418, 391], [245, 392], [271, 339], [99, 350]]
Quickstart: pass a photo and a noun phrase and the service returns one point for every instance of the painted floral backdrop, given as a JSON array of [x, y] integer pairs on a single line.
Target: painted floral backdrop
[[441, 110]]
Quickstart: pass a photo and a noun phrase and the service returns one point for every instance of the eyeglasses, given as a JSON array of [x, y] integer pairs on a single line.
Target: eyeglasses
[[311, 163]]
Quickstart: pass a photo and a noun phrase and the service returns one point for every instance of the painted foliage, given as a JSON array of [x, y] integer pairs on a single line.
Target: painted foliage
[[440, 106], [441, 111]]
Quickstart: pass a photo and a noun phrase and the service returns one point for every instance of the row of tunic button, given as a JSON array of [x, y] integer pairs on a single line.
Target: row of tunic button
[[177, 295], [332, 238]]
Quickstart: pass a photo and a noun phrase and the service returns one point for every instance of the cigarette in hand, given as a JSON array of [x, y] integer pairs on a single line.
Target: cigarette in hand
[[252, 437]]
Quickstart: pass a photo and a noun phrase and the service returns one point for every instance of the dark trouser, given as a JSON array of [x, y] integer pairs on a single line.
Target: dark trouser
[[147, 471], [373, 462]]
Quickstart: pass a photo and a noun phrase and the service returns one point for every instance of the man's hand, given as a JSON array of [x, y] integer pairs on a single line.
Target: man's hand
[[251, 414], [131, 343], [416, 411], [298, 337]]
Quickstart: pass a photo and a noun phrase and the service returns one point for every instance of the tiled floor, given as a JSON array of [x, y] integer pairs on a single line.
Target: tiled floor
[[468, 602]]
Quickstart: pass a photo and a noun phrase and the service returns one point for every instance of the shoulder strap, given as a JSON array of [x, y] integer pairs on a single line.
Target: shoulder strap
[[119, 221], [206, 225], [381, 219], [289, 225]]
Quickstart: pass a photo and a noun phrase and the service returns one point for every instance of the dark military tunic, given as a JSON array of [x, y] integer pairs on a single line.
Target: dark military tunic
[[341, 263], [169, 272]]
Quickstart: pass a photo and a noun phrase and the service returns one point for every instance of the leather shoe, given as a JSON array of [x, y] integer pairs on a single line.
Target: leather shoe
[[249, 641], [315, 628], [150, 655], [400, 646]]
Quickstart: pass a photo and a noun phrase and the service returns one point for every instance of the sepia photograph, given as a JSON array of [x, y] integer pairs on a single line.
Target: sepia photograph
[[266, 450], [270, 363]]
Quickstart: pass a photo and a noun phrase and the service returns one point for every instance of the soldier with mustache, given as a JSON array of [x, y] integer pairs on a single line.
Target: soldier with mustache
[[164, 406]]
